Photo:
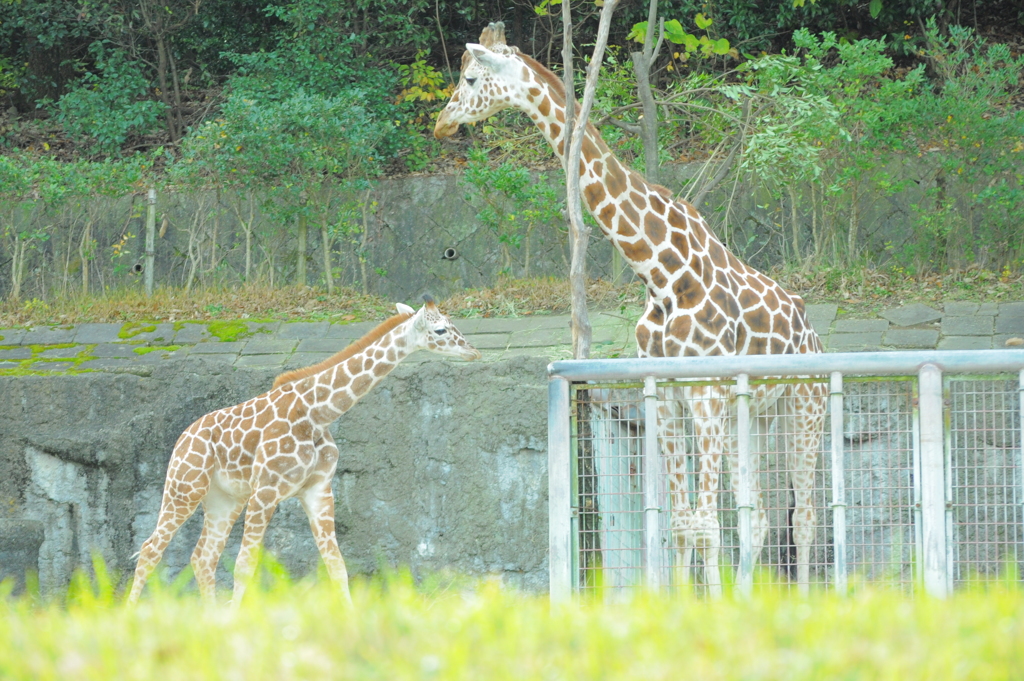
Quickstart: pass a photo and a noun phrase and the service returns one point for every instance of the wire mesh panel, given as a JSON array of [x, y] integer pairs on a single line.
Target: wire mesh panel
[[609, 492], [879, 475], [688, 532], [985, 479]]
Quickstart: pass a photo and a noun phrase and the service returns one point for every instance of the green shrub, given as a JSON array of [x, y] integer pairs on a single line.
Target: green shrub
[[512, 203], [107, 107]]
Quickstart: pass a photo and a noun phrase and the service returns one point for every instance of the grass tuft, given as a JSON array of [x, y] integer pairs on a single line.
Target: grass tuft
[[476, 629]]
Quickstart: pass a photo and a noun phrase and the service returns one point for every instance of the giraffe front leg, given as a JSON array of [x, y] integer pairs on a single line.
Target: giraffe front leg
[[709, 543], [805, 521], [220, 513], [759, 443], [709, 406], [318, 502], [258, 514], [808, 420], [671, 436]]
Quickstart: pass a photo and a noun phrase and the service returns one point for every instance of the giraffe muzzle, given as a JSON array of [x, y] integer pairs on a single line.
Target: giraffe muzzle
[[444, 128]]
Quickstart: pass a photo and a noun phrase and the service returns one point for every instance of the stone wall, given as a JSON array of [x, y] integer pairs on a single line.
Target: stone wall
[[413, 222]]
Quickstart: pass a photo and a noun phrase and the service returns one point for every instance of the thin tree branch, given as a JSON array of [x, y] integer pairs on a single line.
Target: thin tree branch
[[726, 166]]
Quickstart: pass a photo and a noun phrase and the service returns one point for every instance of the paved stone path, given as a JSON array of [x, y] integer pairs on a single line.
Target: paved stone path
[[287, 345]]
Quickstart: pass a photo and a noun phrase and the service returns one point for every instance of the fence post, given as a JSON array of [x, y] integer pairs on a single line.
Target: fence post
[[150, 240], [559, 503], [744, 497], [652, 475], [947, 491], [933, 482], [838, 483], [1020, 455]]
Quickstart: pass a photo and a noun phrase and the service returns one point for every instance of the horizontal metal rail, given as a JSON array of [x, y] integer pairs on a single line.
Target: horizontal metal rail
[[850, 363]]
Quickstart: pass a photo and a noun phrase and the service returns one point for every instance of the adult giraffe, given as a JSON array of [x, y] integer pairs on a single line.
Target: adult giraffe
[[701, 300]]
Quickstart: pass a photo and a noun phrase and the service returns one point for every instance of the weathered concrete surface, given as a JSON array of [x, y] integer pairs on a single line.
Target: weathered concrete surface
[[424, 479]]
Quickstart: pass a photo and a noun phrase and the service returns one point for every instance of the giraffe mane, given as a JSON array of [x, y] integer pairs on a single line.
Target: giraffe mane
[[358, 346], [558, 93], [553, 81]]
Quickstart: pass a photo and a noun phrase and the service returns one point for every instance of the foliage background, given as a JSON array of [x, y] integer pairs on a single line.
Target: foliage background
[[274, 121]]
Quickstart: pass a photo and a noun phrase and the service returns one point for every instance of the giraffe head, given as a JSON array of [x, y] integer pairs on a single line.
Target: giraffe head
[[492, 80], [435, 332]]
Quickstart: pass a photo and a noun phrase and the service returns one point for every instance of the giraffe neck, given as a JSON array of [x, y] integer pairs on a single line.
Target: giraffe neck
[[634, 214], [336, 389]]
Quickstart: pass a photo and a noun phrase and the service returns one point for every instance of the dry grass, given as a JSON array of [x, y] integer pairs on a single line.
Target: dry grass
[[865, 292], [858, 292], [169, 305], [510, 298], [515, 297]]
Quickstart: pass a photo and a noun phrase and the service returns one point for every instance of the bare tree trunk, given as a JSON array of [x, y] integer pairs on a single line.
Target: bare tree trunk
[[247, 227], [851, 236], [815, 235], [248, 253], [579, 232], [576, 127], [83, 255], [300, 262], [364, 241], [326, 237], [161, 72], [216, 228], [642, 64], [794, 225], [17, 267], [526, 258]]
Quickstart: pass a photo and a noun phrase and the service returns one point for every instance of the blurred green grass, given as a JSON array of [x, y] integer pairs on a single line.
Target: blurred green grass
[[459, 628]]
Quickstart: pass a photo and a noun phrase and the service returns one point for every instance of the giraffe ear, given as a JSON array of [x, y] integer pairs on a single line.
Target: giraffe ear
[[404, 309], [492, 61]]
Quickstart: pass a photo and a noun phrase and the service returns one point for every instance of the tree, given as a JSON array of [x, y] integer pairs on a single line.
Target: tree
[[300, 153], [575, 126], [145, 27]]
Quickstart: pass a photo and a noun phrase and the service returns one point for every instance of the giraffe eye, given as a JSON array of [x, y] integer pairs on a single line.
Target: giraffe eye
[[470, 81], [440, 332]]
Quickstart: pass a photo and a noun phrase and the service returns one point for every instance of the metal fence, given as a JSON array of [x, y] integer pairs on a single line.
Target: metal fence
[[929, 445]]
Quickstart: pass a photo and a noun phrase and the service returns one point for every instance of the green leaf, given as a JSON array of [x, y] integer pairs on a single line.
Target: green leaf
[[703, 22], [720, 46], [690, 42], [874, 7], [639, 32], [674, 32]]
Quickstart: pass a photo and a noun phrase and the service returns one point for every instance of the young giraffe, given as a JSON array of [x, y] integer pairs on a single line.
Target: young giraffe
[[277, 445], [701, 300]]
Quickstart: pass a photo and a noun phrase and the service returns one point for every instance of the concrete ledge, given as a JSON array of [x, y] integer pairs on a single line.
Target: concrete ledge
[[303, 330], [860, 325], [978, 325], [965, 343], [842, 342], [217, 348], [911, 338]]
